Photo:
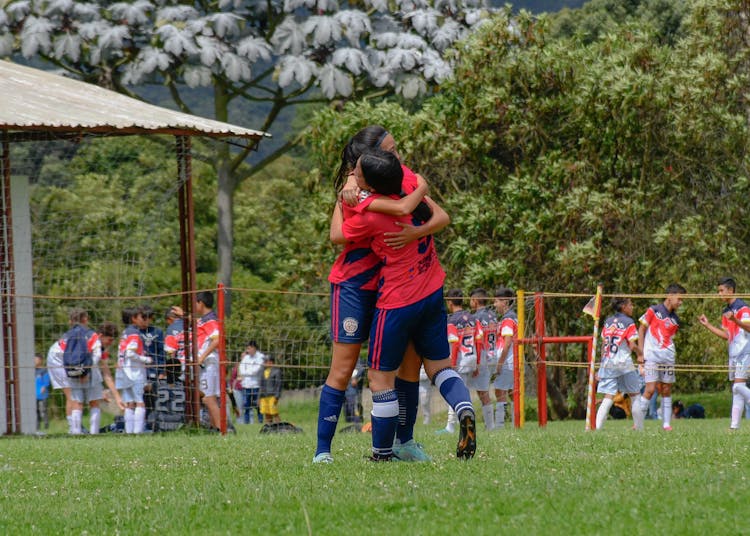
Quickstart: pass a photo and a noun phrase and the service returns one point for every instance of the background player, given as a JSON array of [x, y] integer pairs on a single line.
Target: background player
[[735, 324], [507, 330], [616, 371], [659, 324], [462, 338], [486, 320]]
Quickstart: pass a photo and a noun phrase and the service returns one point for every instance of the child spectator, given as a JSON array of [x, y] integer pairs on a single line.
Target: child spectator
[[270, 391], [42, 393], [251, 374]]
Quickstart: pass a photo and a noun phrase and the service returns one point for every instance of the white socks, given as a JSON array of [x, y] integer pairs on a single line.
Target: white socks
[[637, 410], [601, 414], [500, 415], [489, 418], [666, 405], [129, 421], [76, 416], [95, 417], [139, 420], [740, 395]]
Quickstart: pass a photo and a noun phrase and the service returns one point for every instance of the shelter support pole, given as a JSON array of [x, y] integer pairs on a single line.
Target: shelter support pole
[[8, 296], [188, 274]]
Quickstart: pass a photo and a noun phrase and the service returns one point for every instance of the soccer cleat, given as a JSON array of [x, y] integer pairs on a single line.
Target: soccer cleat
[[444, 431], [411, 451], [467, 439], [667, 428], [377, 458], [323, 457]]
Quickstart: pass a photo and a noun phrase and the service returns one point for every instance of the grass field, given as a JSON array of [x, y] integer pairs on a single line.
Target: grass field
[[558, 480]]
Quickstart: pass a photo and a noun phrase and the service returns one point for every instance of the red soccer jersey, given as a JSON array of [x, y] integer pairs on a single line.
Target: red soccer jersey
[[463, 337], [408, 274], [662, 324], [208, 328], [739, 339], [486, 333], [507, 326], [357, 264], [129, 340]]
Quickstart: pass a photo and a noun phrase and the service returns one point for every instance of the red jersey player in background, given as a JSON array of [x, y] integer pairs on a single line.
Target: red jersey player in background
[[659, 324], [463, 336], [735, 325]]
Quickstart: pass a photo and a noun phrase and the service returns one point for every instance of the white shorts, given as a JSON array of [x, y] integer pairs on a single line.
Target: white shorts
[[739, 367], [79, 388], [209, 380], [59, 377], [659, 372], [504, 382], [133, 393], [630, 382], [480, 382]]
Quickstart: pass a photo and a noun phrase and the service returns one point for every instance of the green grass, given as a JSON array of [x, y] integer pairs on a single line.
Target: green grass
[[558, 480]]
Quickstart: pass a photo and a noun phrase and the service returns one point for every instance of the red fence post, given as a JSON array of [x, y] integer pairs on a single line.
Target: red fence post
[[541, 368]]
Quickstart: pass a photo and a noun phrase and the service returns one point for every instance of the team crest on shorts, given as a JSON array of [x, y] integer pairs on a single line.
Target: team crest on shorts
[[350, 326]]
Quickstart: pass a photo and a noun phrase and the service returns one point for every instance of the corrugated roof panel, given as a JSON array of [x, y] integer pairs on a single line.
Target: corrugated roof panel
[[32, 99]]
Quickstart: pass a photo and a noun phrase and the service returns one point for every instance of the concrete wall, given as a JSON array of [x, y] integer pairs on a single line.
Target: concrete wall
[[20, 193]]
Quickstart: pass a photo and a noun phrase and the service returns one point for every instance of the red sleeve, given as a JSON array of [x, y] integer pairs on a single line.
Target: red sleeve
[[454, 342], [478, 340]]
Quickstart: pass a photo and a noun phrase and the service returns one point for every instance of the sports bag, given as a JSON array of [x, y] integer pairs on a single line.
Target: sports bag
[[77, 358]]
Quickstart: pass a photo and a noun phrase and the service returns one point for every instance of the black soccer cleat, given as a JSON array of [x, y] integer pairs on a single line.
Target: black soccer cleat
[[467, 439]]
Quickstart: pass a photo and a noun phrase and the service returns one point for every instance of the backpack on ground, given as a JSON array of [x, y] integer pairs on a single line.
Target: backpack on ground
[[77, 359]]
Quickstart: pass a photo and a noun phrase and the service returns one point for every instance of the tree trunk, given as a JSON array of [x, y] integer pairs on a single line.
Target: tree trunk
[[226, 184], [225, 223]]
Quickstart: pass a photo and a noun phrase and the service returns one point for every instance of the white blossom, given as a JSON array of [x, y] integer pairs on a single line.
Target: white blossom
[[35, 36], [211, 50], [295, 68], [175, 41], [197, 76], [355, 23], [352, 58], [67, 45], [254, 48], [446, 35], [289, 37], [236, 68], [55, 7], [113, 37], [135, 13], [324, 29], [334, 81], [410, 86], [224, 24], [177, 13]]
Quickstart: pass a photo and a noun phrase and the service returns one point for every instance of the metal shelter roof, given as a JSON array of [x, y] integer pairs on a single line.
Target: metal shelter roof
[[36, 100]]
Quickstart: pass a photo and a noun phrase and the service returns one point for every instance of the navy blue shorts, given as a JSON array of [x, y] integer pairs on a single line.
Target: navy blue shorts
[[424, 322], [351, 313]]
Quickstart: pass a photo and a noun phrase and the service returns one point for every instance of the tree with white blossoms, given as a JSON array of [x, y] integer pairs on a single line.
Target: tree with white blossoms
[[278, 52]]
